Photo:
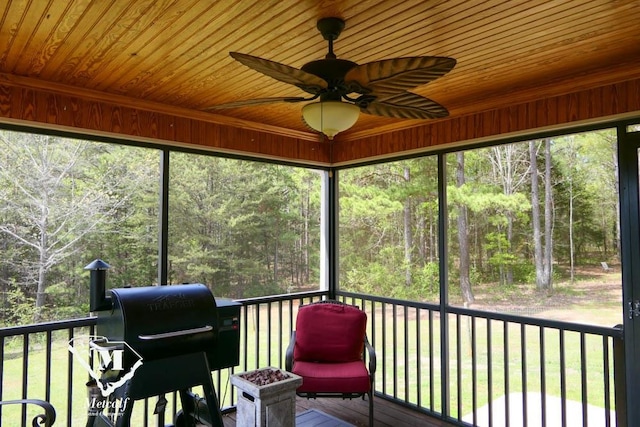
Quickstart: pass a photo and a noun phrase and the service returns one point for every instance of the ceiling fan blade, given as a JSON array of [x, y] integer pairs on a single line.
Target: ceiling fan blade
[[306, 81], [258, 101], [406, 105], [392, 76]]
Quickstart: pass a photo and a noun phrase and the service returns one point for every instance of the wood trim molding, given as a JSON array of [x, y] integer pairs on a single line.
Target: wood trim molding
[[580, 106], [156, 107], [43, 104]]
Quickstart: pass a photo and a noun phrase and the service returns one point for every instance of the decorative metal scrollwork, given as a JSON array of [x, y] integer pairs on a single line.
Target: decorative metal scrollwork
[[47, 419]]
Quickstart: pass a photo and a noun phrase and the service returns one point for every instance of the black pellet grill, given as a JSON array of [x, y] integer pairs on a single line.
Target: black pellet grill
[[180, 333]]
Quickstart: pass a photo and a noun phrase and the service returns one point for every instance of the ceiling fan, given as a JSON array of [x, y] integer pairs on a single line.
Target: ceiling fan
[[345, 89]]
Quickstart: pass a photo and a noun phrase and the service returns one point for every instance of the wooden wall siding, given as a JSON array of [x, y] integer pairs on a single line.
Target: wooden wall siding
[[90, 116], [589, 104], [42, 108]]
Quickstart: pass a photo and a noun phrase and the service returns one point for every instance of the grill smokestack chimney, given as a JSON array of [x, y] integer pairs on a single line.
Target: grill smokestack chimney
[[97, 286]]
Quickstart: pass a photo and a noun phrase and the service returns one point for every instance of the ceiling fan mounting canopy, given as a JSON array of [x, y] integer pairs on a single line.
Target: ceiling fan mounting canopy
[[330, 27], [380, 87]]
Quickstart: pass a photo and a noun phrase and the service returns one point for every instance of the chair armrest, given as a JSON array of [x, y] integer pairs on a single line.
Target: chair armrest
[[372, 356], [288, 358], [47, 419]]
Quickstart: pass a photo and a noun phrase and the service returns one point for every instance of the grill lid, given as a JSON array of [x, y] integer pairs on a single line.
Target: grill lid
[[162, 321]]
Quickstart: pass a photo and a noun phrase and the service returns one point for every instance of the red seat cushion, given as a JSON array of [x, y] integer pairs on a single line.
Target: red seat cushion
[[331, 333], [348, 377]]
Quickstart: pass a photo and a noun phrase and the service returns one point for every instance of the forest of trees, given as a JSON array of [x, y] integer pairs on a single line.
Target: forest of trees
[[515, 213], [243, 228]]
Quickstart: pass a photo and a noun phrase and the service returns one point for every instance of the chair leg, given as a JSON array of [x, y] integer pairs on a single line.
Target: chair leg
[[370, 408]]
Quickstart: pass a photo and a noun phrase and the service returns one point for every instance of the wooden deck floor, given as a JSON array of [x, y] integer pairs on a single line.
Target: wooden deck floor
[[356, 412]]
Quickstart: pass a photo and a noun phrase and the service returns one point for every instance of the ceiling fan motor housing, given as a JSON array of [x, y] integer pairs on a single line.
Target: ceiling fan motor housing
[[332, 71]]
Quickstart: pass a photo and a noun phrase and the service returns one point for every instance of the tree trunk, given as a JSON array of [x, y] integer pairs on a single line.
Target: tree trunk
[[463, 236], [535, 217], [548, 217], [509, 268], [422, 235], [408, 238], [617, 191], [572, 250], [42, 270], [305, 247]]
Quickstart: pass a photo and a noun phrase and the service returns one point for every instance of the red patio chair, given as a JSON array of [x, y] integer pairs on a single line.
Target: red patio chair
[[327, 350]]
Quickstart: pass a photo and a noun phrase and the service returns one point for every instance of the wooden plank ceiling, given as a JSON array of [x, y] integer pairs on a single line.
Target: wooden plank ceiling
[[175, 53]]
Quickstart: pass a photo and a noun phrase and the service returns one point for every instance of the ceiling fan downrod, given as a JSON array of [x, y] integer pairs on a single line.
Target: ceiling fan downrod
[[330, 28]]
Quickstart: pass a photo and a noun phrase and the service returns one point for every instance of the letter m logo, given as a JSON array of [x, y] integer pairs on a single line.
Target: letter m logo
[[109, 360]]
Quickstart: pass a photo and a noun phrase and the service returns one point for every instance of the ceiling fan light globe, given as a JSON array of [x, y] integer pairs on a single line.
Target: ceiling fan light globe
[[330, 117]]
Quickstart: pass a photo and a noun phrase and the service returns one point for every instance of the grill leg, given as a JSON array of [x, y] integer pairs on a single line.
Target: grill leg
[[205, 411], [124, 419], [201, 410], [212, 403], [183, 417]]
